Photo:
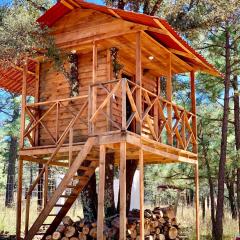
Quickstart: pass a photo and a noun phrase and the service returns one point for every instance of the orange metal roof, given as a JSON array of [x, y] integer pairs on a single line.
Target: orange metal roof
[[11, 79]]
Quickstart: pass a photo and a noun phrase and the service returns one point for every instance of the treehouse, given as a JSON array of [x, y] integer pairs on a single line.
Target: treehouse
[[118, 98]]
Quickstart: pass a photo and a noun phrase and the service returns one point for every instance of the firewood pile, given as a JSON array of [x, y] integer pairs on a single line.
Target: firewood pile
[[160, 223]]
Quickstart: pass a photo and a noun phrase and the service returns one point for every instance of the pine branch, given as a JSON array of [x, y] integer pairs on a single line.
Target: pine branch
[[39, 7], [156, 7]]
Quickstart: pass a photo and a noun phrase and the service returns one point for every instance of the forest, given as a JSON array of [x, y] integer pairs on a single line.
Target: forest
[[213, 29]]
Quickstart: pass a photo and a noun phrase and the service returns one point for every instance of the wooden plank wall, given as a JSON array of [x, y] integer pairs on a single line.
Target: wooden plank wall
[[53, 85]]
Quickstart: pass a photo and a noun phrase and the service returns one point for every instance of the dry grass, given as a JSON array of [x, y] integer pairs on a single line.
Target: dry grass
[[185, 216]]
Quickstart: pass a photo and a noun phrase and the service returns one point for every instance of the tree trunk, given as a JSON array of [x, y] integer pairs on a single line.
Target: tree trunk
[[121, 4], [109, 203], [11, 171], [203, 209], [156, 7], [211, 187], [130, 169], [89, 200], [231, 197], [40, 190], [237, 132], [221, 176], [238, 197]]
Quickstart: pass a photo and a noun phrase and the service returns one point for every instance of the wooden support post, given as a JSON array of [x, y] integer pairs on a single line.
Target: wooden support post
[[101, 189], [197, 202], [194, 110], [23, 105], [124, 104], [123, 199], [141, 180], [169, 98], [139, 81], [19, 199]]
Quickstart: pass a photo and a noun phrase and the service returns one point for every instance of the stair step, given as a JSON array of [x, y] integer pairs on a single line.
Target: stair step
[[71, 186], [58, 205], [67, 196], [86, 168], [52, 215], [46, 224], [81, 178], [92, 159], [40, 233]]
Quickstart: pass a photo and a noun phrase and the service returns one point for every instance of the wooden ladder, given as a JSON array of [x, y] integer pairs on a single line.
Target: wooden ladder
[[74, 184]]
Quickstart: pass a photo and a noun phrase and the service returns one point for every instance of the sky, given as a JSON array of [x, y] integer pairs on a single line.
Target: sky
[[3, 2]]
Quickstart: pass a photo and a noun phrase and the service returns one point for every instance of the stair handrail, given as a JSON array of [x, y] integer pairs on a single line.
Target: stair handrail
[[59, 145]]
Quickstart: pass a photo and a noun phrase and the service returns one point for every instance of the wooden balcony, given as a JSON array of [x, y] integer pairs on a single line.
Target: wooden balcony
[[114, 112]]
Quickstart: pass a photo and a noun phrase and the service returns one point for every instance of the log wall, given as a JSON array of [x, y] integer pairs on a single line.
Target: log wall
[[54, 85]]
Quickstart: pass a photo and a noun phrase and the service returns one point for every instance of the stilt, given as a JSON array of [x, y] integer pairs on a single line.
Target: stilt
[[122, 181], [197, 202], [100, 217], [19, 199], [141, 180], [21, 145]]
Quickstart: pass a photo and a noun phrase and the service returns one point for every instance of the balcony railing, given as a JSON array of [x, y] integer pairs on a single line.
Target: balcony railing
[[119, 105]]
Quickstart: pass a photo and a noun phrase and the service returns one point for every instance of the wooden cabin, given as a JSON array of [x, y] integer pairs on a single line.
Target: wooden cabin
[[120, 100]]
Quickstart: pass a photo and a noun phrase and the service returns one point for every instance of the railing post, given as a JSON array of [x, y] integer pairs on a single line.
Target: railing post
[[169, 98], [193, 106], [57, 120], [23, 105], [139, 81], [90, 103], [70, 146], [36, 99], [94, 89], [124, 110]]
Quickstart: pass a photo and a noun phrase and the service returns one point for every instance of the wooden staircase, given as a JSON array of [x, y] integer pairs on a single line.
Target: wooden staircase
[[74, 181]]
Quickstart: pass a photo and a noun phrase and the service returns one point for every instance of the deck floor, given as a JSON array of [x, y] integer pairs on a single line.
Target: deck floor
[[154, 152]]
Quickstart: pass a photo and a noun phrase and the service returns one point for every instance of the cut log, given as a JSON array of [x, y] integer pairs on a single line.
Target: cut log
[[115, 222], [65, 238], [159, 224], [86, 229], [82, 236], [67, 221], [168, 212], [172, 233], [93, 232], [61, 228], [161, 237], [69, 231], [94, 224], [56, 236]]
